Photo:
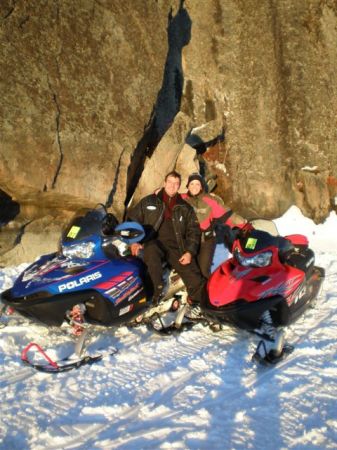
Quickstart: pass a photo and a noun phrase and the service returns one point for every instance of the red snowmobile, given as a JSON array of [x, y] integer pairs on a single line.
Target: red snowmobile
[[268, 283]]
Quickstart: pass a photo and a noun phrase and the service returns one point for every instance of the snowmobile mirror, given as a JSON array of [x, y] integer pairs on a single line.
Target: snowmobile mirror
[[130, 232], [109, 224]]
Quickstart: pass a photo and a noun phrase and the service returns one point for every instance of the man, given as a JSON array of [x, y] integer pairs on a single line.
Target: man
[[173, 235]]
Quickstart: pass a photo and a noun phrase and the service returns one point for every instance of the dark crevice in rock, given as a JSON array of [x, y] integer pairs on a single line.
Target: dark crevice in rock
[[10, 11], [145, 146], [210, 110], [9, 209], [168, 100], [282, 74], [57, 11], [21, 233], [218, 15], [188, 106], [58, 118], [110, 199], [58, 136]]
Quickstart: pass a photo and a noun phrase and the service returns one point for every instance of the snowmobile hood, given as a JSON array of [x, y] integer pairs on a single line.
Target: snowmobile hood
[[55, 274], [230, 283]]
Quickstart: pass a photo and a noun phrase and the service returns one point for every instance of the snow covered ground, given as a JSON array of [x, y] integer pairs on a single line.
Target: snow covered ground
[[197, 390]]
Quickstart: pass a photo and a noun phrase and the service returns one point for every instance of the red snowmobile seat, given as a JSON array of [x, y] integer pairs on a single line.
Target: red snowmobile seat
[[298, 240]]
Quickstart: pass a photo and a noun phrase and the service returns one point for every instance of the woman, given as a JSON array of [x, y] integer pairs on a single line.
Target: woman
[[209, 210]]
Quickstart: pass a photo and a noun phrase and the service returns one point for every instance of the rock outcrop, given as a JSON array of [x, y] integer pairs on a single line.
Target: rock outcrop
[[93, 92]]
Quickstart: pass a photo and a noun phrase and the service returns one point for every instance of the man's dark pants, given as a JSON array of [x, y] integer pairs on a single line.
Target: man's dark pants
[[156, 252]]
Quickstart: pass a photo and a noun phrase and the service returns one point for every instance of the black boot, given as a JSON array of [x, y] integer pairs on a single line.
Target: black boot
[[157, 295]]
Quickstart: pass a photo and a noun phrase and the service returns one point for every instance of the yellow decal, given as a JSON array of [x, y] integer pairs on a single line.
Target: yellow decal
[[251, 243], [73, 232], [142, 300]]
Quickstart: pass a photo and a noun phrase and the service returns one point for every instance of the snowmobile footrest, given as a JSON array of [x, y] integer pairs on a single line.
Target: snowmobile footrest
[[158, 326], [171, 329]]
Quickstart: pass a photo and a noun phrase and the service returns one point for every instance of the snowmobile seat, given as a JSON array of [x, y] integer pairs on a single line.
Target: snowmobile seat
[[298, 240], [285, 248], [302, 259]]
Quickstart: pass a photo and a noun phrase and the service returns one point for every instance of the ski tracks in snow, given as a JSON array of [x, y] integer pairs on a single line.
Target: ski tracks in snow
[[155, 389], [165, 376]]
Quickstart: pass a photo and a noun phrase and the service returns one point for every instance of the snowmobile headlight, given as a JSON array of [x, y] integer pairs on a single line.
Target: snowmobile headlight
[[259, 260], [82, 250]]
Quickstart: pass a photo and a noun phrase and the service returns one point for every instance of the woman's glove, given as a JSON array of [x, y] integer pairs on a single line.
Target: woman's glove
[[224, 234]]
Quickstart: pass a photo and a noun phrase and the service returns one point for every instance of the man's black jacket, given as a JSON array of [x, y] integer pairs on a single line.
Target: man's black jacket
[[150, 213]]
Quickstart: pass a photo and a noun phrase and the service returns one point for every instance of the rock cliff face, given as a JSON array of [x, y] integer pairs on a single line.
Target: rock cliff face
[[267, 68], [95, 93]]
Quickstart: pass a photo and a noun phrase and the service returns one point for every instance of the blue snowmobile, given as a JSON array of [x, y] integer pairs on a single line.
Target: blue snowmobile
[[92, 276]]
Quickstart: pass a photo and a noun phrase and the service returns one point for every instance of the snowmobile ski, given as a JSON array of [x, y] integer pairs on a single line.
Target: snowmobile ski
[[63, 365], [272, 352]]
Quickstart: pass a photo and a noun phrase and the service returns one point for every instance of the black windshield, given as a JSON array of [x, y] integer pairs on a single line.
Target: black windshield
[[257, 240], [85, 223]]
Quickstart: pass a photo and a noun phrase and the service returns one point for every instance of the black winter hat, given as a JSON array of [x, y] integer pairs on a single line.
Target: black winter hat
[[196, 176]]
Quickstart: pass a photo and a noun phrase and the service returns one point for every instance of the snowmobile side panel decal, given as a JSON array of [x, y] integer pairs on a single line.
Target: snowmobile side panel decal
[[122, 295], [77, 283], [283, 288], [125, 310], [55, 276], [238, 274], [120, 287], [37, 269], [116, 280], [297, 295]]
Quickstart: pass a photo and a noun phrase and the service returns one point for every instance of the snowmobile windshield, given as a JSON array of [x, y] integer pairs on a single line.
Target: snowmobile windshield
[[85, 223], [265, 225], [257, 240]]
